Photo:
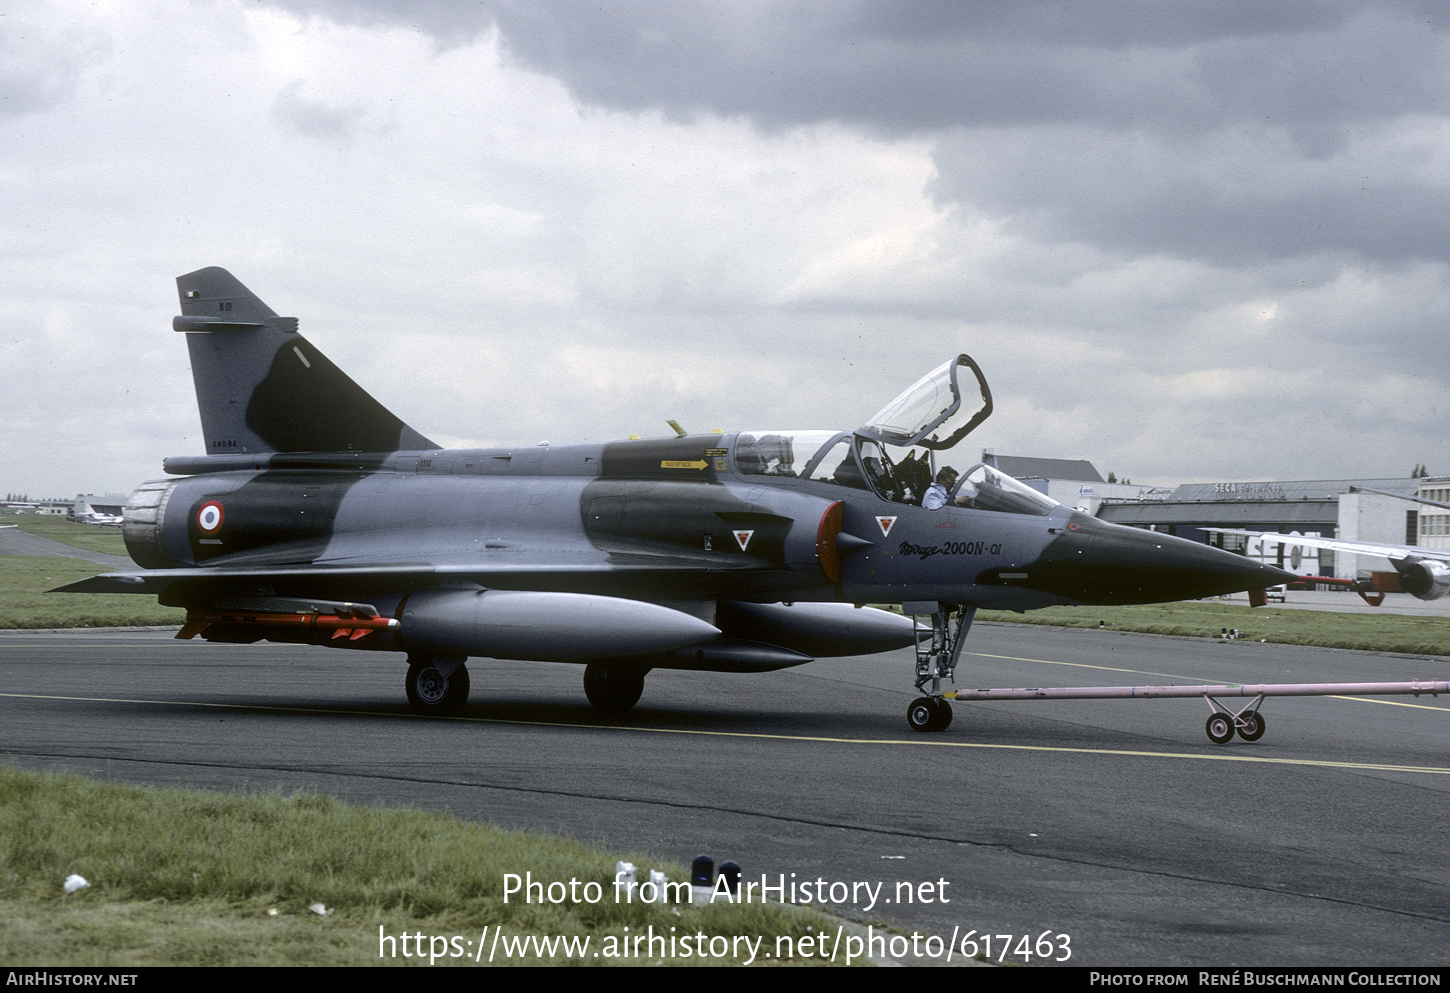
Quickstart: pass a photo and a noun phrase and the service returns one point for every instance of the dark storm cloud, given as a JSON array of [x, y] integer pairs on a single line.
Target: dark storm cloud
[[910, 68], [1234, 198], [1229, 132], [903, 67], [1196, 240]]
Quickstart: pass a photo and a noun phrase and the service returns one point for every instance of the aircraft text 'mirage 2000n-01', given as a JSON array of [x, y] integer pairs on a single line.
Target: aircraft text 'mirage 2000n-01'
[[318, 517]]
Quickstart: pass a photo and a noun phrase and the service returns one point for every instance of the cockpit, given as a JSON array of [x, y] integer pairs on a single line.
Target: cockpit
[[898, 454], [986, 488]]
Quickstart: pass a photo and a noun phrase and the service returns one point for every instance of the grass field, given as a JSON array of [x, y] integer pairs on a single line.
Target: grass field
[[24, 580], [1206, 619], [180, 877], [24, 602], [91, 537]]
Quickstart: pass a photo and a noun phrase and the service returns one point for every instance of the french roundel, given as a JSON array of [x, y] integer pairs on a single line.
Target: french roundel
[[209, 517]]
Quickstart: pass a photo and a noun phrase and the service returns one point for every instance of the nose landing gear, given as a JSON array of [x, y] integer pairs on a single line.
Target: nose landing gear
[[938, 647]]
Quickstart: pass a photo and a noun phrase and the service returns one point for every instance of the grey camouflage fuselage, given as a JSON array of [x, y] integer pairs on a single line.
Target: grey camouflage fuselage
[[736, 551]]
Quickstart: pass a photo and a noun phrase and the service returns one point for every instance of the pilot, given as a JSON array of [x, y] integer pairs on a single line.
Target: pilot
[[936, 493]]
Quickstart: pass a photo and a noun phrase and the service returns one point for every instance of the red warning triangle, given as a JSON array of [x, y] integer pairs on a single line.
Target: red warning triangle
[[742, 538], [885, 523]]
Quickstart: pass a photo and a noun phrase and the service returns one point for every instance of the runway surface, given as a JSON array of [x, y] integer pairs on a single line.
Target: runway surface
[[1117, 823], [14, 541]]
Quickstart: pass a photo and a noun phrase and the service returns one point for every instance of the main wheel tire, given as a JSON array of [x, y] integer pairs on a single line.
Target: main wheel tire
[[922, 714], [431, 692], [613, 688], [1220, 728], [943, 715], [1253, 727]]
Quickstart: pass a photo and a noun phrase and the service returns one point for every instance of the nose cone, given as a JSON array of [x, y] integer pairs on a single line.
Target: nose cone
[[1093, 562]]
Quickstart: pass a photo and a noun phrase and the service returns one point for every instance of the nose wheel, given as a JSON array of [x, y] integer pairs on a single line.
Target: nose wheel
[[929, 714]]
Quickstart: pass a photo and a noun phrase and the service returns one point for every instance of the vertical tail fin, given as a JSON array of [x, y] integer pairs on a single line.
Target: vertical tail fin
[[262, 387]]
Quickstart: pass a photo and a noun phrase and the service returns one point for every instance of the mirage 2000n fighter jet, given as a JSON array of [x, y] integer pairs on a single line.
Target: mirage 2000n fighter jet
[[316, 516]]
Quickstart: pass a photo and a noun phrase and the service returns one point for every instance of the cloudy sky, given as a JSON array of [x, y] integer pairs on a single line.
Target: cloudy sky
[[1187, 241]]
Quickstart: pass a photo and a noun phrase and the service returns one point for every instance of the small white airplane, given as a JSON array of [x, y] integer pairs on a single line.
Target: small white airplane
[[96, 517], [1424, 572]]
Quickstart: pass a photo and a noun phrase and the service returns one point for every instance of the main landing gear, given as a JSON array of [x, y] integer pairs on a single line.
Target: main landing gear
[[440, 686], [613, 687], [435, 685], [938, 648]]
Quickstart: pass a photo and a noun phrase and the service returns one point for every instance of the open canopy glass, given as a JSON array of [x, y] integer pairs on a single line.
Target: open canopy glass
[[937, 411]]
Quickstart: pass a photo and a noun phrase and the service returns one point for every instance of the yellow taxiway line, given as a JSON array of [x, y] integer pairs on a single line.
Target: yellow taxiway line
[[816, 739]]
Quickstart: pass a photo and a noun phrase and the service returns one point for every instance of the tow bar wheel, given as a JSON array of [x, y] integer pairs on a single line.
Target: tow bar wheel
[[1220, 728], [1251, 726]]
